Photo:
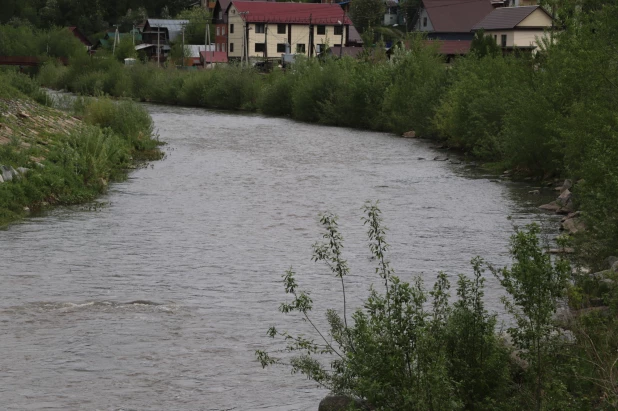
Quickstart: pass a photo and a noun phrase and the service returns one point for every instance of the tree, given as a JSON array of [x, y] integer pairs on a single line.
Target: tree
[[195, 31], [484, 45], [367, 13], [50, 14], [125, 49], [535, 284], [396, 353]]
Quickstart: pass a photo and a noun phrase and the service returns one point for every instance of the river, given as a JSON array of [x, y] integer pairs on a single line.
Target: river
[[200, 240]]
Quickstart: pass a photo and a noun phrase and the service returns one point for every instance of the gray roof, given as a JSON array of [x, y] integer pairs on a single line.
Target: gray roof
[[174, 27], [505, 18], [171, 24]]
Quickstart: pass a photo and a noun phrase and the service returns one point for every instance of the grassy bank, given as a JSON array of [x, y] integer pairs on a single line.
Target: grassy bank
[[55, 157]]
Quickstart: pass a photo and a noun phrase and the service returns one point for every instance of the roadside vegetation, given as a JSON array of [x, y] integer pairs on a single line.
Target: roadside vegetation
[[412, 348], [56, 157]]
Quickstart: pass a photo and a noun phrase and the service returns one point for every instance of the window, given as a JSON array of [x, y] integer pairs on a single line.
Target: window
[[259, 27], [319, 48], [281, 48], [280, 28], [321, 29], [338, 30], [424, 21], [220, 15], [223, 47], [218, 31], [223, 31], [496, 38], [260, 47], [300, 48], [231, 28], [503, 40], [231, 47]]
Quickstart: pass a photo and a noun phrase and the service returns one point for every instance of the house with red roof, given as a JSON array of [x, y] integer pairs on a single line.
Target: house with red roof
[[219, 17], [266, 30], [212, 58]]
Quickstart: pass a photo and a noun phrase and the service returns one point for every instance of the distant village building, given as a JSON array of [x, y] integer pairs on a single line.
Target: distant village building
[[516, 28], [391, 14], [266, 30], [81, 37], [212, 58], [107, 42], [157, 36], [219, 17], [451, 19]]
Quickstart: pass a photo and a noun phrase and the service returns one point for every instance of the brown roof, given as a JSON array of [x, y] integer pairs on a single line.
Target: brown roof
[[224, 4], [347, 51], [451, 47], [293, 13], [505, 18], [213, 56], [456, 16]]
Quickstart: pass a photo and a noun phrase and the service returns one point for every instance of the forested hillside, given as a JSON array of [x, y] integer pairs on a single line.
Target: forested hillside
[[90, 16]]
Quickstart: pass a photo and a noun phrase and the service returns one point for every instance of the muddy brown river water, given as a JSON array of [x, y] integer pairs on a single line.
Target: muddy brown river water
[[158, 299]]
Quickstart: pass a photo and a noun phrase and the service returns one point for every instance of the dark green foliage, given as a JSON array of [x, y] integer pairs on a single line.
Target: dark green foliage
[[418, 82], [195, 31], [406, 348], [484, 45], [31, 42], [90, 16], [477, 361], [535, 284], [276, 96], [482, 91], [366, 13]]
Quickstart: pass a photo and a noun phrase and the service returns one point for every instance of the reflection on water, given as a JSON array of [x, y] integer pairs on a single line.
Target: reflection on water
[[158, 300]]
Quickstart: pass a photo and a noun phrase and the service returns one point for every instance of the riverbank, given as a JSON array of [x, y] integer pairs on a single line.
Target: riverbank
[[52, 157]]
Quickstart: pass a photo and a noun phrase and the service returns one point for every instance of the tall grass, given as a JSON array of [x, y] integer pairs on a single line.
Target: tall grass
[[75, 167]]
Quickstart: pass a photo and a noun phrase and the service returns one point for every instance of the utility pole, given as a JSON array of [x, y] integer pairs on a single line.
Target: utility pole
[[158, 47], [310, 37], [183, 46], [245, 37], [342, 29], [266, 41], [247, 43], [116, 38]]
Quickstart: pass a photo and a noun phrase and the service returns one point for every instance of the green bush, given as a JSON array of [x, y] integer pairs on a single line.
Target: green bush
[[276, 96], [471, 113], [233, 88], [194, 88], [126, 119], [412, 349], [25, 84], [418, 83], [53, 74], [356, 95], [313, 88]]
